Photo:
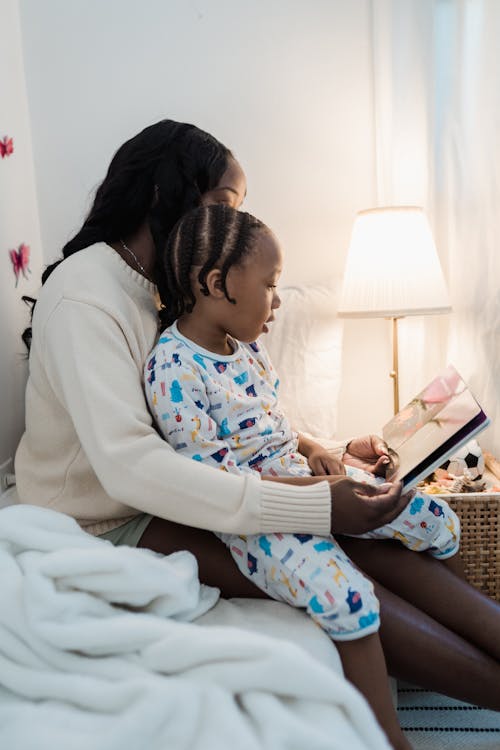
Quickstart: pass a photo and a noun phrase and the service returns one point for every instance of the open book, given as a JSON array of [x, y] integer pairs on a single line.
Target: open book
[[433, 426]]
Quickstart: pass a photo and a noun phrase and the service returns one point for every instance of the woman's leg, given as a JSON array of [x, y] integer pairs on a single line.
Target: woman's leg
[[215, 565], [416, 647], [420, 650], [437, 630], [431, 587]]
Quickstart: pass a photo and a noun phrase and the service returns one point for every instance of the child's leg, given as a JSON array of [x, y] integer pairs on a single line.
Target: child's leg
[[427, 524], [364, 666], [315, 574]]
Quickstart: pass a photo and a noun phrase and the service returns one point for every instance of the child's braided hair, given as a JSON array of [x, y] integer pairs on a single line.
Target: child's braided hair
[[208, 237]]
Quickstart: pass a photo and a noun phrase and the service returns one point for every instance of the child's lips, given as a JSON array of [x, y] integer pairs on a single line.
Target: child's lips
[[265, 327]]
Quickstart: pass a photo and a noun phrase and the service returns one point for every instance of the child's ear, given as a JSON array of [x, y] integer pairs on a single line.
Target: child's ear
[[214, 283]]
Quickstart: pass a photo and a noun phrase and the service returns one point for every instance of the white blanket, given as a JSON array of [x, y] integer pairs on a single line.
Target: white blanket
[[98, 649]]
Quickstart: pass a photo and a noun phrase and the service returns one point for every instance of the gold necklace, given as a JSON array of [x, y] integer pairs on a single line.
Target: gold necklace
[[137, 261]]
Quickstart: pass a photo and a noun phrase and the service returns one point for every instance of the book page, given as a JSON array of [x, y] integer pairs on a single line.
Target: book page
[[421, 442], [424, 408]]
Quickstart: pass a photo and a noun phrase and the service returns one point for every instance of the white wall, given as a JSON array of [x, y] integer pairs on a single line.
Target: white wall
[[18, 223], [286, 84]]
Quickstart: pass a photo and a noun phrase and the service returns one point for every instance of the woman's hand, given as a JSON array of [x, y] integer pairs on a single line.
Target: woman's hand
[[321, 462], [358, 508], [369, 453]]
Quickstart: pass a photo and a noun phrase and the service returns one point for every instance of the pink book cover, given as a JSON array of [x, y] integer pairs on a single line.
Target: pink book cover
[[434, 425]]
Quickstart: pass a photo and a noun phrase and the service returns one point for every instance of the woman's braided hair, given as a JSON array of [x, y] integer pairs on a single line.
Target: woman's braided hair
[[156, 176], [208, 237]]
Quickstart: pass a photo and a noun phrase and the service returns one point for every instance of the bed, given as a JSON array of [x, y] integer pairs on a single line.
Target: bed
[[123, 648]]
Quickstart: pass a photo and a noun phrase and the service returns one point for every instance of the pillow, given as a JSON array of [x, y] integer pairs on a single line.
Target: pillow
[[305, 346]]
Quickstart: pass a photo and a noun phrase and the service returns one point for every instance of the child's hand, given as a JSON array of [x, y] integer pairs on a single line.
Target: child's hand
[[369, 453], [322, 463]]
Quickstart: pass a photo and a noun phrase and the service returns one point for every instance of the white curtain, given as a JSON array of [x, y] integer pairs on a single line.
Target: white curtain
[[437, 123]]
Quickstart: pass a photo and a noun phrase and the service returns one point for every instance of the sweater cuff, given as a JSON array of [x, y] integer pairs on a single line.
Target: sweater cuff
[[296, 509]]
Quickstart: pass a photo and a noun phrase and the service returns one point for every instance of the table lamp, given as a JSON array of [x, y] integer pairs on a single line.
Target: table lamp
[[392, 270]]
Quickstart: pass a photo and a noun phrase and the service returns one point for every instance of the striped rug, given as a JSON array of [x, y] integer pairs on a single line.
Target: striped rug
[[433, 722]]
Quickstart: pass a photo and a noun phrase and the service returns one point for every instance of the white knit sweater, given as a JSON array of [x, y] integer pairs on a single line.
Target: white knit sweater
[[90, 448]]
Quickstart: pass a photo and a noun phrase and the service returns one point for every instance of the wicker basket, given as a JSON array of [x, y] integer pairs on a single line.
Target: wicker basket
[[480, 538]]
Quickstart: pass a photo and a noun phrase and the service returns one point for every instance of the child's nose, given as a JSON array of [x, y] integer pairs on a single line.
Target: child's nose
[[276, 301]]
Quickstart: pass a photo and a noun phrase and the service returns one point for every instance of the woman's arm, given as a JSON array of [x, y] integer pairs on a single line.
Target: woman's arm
[[96, 373]]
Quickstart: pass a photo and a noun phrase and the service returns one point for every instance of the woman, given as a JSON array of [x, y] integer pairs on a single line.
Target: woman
[[90, 449]]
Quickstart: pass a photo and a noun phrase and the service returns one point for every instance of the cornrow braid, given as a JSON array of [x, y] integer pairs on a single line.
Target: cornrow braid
[[240, 248], [166, 281], [177, 264], [183, 259], [214, 236], [218, 228]]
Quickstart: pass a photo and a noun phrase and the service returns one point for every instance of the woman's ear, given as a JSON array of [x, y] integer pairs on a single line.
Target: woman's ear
[[214, 283]]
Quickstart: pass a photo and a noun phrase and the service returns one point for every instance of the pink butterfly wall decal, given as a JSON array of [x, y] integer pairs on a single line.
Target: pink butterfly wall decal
[[20, 261], [6, 146]]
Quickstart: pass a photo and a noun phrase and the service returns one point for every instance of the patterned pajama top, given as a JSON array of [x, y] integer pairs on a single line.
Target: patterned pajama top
[[222, 410]]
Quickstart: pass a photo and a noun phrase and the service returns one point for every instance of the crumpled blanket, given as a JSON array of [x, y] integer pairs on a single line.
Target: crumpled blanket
[[99, 648]]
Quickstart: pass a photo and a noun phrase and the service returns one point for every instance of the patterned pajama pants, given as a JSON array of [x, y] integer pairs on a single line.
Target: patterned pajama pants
[[315, 574]]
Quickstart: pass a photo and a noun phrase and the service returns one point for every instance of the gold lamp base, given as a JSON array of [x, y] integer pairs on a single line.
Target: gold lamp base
[[394, 374]]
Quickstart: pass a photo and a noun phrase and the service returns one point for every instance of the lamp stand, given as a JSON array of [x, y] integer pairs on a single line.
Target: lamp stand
[[394, 374]]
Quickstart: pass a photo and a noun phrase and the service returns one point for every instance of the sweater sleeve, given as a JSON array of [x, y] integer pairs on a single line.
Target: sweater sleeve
[[93, 370]]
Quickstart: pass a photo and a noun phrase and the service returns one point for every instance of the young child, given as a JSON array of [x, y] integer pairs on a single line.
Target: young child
[[213, 392]]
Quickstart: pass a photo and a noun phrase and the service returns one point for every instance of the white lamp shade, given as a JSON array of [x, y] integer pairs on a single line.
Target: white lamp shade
[[392, 266]]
